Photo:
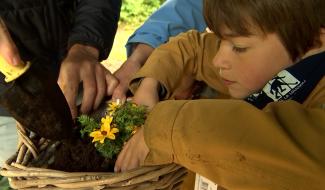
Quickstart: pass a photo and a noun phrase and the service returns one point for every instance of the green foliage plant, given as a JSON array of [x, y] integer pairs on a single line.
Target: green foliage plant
[[117, 126]]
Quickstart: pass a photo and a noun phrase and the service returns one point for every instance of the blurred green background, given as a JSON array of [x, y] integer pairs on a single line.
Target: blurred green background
[[133, 14]]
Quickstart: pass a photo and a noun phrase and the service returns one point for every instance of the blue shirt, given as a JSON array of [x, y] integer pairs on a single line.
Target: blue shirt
[[172, 18]]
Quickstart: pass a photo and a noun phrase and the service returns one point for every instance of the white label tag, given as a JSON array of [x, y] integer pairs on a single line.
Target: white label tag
[[281, 85], [202, 183]]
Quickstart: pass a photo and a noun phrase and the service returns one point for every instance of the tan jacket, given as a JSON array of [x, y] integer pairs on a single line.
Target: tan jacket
[[230, 141]]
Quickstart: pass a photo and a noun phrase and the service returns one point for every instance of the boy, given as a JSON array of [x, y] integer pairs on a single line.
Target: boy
[[269, 56]]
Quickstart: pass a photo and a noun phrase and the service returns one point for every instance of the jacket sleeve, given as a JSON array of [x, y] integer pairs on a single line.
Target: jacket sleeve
[[172, 18], [188, 54], [239, 146], [95, 23]]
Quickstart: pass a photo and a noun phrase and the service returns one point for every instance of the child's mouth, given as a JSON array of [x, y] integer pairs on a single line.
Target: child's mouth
[[227, 82]]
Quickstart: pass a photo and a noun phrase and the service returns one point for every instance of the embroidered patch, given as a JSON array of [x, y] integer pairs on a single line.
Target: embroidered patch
[[282, 86]]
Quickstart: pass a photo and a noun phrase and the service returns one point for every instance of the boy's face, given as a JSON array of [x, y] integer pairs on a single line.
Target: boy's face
[[247, 63]]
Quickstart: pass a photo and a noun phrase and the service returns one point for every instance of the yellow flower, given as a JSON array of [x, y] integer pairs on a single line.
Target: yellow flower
[[107, 120], [112, 106], [105, 131]]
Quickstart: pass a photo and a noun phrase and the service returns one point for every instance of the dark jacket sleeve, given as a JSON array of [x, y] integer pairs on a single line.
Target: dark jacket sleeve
[[95, 24]]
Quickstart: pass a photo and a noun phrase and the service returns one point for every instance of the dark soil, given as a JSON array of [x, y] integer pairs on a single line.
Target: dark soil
[[80, 156]]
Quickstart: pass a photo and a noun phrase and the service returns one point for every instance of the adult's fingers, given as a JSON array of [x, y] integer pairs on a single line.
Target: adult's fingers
[[101, 85], [8, 48], [90, 90], [69, 86]]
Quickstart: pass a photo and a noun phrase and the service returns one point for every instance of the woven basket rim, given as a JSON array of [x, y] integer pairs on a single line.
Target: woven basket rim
[[21, 175]]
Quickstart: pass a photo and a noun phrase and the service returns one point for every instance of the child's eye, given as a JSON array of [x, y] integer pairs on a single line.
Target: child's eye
[[239, 49]]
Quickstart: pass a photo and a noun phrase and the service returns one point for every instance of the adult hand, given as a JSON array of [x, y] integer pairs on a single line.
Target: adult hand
[[140, 54], [81, 65], [8, 48], [133, 154]]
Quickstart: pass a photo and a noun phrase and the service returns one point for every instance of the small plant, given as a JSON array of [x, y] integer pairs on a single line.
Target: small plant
[[109, 134]]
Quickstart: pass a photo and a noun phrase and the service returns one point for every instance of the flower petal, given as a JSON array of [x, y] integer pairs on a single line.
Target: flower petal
[[95, 134], [102, 140], [111, 136], [95, 139], [105, 127], [114, 130], [107, 120]]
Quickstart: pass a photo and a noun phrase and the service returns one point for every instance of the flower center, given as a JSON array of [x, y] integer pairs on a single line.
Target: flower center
[[104, 133]]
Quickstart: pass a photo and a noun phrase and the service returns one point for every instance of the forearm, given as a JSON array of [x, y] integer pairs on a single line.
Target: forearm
[[147, 93], [184, 56], [172, 18], [133, 63], [140, 54]]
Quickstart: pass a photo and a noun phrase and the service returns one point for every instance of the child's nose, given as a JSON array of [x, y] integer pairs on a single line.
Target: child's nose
[[221, 59]]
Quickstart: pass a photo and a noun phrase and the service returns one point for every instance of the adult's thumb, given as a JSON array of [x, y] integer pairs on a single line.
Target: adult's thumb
[[8, 49]]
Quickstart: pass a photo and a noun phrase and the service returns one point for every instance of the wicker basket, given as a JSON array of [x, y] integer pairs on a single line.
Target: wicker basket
[[27, 170]]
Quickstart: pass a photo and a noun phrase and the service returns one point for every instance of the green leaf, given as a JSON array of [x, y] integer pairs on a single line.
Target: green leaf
[[87, 125]]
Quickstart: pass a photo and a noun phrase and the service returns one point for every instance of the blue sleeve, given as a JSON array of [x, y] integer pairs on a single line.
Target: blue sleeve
[[172, 18]]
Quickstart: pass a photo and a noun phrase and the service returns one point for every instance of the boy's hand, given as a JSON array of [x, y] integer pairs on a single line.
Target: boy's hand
[[147, 93], [8, 48], [133, 154], [124, 74], [135, 150], [81, 65]]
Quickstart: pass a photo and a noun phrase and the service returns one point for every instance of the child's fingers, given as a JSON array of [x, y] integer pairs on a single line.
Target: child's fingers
[[132, 162], [112, 83], [121, 158], [119, 92], [133, 154]]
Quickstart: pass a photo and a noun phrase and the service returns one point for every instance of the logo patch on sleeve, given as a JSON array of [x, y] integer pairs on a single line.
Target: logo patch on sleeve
[[282, 86]]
